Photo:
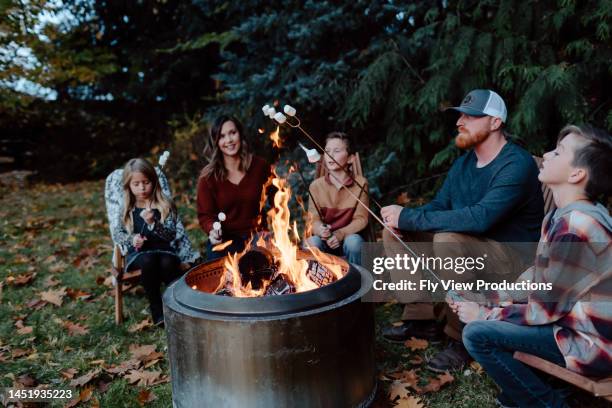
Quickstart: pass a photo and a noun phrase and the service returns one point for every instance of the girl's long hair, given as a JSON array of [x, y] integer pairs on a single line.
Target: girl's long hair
[[159, 200], [216, 167]]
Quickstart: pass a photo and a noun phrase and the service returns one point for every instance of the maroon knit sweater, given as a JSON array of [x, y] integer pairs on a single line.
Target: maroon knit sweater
[[239, 202]]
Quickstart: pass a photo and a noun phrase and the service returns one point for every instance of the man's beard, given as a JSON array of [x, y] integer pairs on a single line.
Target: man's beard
[[466, 140]]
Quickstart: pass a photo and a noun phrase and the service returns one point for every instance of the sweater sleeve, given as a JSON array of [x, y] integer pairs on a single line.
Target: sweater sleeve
[[360, 217], [504, 194], [571, 271], [441, 201], [206, 206]]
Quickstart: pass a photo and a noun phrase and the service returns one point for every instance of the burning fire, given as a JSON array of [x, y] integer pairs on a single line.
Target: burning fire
[[275, 137], [298, 269]]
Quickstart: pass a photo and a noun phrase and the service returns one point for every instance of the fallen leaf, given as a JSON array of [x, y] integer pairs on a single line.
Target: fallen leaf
[[36, 304], [408, 377], [50, 281], [23, 279], [84, 379], [21, 329], [435, 384], [141, 352], [142, 378], [69, 373], [475, 365], [416, 344], [397, 390], [409, 402], [84, 396], [145, 396], [140, 326], [77, 294], [26, 381], [123, 367], [16, 353], [75, 329], [53, 296], [416, 360]]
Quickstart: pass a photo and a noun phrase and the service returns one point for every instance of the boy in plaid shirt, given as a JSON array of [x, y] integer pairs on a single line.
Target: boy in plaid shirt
[[571, 325]]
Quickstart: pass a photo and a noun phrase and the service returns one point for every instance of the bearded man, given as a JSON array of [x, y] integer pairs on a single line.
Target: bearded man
[[490, 195]]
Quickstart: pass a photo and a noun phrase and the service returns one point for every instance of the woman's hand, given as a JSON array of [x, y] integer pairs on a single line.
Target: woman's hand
[[148, 216], [324, 231], [215, 236], [138, 241], [333, 242]]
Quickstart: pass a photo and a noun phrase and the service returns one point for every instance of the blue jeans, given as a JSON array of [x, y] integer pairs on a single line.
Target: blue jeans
[[350, 247], [492, 343]]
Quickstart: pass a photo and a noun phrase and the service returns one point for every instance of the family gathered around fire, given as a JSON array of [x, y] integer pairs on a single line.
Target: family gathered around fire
[[491, 195]]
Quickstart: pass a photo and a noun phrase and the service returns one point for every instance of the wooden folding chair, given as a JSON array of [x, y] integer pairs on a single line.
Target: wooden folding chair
[[123, 281], [369, 232], [598, 387]]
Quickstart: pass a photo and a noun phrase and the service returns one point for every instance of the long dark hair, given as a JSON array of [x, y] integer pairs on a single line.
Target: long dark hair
[[216, 166]]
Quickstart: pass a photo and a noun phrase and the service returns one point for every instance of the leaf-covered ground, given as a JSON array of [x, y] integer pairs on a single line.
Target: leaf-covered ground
[[57, 316]]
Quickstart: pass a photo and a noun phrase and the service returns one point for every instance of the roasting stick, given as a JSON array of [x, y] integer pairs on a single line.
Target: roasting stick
[[290, 111], [381, 222]]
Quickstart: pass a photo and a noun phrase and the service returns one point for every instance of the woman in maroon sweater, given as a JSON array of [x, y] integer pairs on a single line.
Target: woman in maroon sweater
[[230, 183]]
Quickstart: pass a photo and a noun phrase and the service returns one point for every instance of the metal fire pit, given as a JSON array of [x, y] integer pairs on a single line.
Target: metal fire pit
[[308, 349]]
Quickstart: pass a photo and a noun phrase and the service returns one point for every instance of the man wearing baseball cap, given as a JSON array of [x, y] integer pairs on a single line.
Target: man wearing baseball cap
[[490, 195]]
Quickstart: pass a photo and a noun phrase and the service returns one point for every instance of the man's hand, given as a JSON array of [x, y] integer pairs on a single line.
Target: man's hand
[[138, 241], [214, 235], [469, 311], [148, 216], [390, 215], [333, 242]]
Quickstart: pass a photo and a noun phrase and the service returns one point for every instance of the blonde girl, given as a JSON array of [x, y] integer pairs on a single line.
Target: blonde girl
[[149, 226]]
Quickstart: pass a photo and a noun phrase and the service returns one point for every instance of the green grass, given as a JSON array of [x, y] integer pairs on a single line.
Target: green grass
[[61, 232]]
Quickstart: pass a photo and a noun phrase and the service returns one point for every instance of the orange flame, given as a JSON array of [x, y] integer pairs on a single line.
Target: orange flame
[[275, 137], [283, 244], [222, 246]]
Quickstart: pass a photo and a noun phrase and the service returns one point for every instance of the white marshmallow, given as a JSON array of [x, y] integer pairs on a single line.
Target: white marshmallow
[[280, 118], [289, 110]]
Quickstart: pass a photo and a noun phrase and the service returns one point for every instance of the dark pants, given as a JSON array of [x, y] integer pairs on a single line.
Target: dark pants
[[156, 268], [492, 343], [238, 244]]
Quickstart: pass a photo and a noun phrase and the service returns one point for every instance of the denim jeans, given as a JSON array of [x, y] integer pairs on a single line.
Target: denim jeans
[[350, 247], [492, 343]]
